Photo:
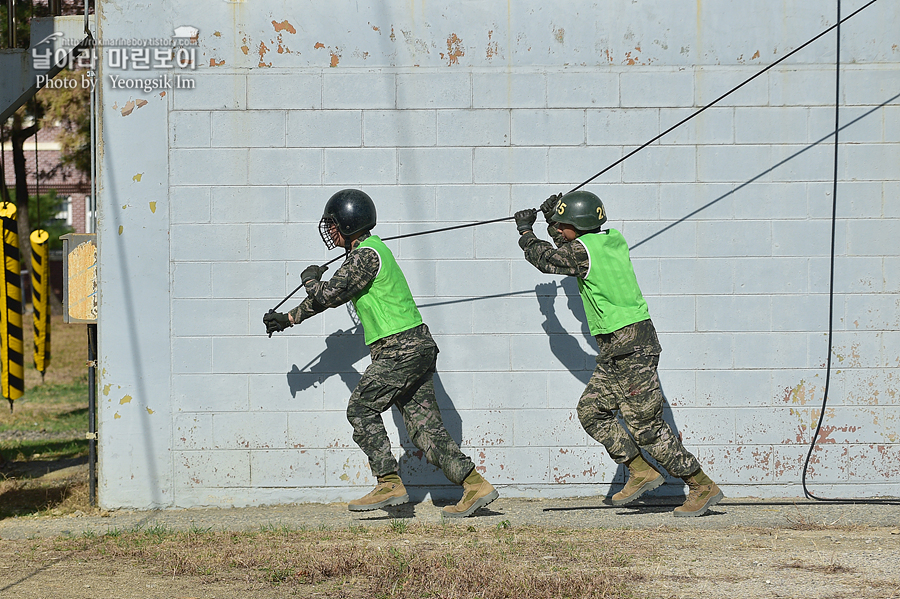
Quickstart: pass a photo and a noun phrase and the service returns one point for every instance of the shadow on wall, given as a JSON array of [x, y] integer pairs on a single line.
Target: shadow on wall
[[337, 358], [343, 349], [413, 466], [567, 349]]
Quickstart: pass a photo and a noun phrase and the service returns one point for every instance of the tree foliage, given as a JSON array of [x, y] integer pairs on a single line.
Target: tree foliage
[[69, 109], [44, 211]]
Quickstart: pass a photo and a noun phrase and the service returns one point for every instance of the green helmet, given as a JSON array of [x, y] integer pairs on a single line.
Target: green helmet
[[581, 209]]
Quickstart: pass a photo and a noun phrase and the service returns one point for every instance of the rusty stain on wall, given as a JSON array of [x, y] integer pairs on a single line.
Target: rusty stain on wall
[[799, 394], [245, 48], [283, 26], [149, 411], [121, 229], [492, 48], [559, 34], [801, 426], [634, 60], [214, 63], [126, 399], [335, 53], [130, 106], [279, 28], [153, 207], [262, 53], [137, 177], [852, 357], [454, 50]]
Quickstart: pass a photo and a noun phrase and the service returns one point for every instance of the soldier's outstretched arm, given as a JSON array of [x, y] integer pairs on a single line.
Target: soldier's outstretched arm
[[353, 276], [570, 259]]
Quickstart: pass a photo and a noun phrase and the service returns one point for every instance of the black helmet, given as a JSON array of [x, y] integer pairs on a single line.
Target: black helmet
[[581, 209], [351, 211]]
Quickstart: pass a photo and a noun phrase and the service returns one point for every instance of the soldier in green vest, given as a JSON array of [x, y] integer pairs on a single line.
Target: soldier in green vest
[[625, 379], [404, 356]]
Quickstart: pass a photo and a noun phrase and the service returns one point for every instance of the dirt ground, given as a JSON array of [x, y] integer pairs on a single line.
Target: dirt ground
[[797, 558], [742, 548], [833, 564]]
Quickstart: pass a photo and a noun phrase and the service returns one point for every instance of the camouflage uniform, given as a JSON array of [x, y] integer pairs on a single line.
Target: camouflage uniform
[[401, 374], [625, 378]]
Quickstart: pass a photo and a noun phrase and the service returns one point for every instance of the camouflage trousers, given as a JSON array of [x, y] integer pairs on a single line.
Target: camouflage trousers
[[629, 384], [406, 381]]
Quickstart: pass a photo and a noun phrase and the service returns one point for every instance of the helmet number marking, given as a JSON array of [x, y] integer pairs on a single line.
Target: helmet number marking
[[561, 208], [600, 212]]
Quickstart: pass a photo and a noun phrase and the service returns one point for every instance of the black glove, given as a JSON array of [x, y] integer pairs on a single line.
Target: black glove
[[276, 321], [525, 219], [549, 207], [312, 273]]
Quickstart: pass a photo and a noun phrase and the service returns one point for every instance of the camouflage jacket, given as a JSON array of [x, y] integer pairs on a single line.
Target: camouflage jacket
[[572, 259], [349, 281]]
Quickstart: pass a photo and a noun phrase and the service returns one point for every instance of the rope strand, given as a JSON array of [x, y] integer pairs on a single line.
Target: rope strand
[[725, 95]]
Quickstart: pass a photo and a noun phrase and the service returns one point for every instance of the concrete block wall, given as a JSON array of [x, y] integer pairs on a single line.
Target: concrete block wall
[[447, 115]]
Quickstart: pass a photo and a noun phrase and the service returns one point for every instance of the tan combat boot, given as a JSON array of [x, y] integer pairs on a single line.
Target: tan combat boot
[[642, 477], [704, 494], [388, 491], [477, 493]]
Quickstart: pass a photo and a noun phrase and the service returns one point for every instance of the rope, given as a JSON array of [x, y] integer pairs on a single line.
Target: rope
[[453, 228], [726, 94], [630, 154]]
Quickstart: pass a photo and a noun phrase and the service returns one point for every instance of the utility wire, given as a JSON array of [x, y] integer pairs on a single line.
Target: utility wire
[[37, 166], [834, 190], [726, 94], [633, 152], [416, 234], [837, 27]]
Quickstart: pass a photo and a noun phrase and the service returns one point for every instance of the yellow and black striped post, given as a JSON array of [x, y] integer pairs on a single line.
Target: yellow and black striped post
[[40, 298], [12, 354]]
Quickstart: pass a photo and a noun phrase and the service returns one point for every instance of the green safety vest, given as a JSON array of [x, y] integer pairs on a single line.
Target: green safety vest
[[386, 306], [610, 292]]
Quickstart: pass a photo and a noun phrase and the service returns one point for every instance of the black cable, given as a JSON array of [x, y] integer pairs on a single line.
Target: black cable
[[728, 93], [37, 166], [630, 154], [837, 123], [483, 222]]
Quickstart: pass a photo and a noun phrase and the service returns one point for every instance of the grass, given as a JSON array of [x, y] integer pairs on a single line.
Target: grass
[[27, 450], [422, 560], [43, 464], [57, 400]]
